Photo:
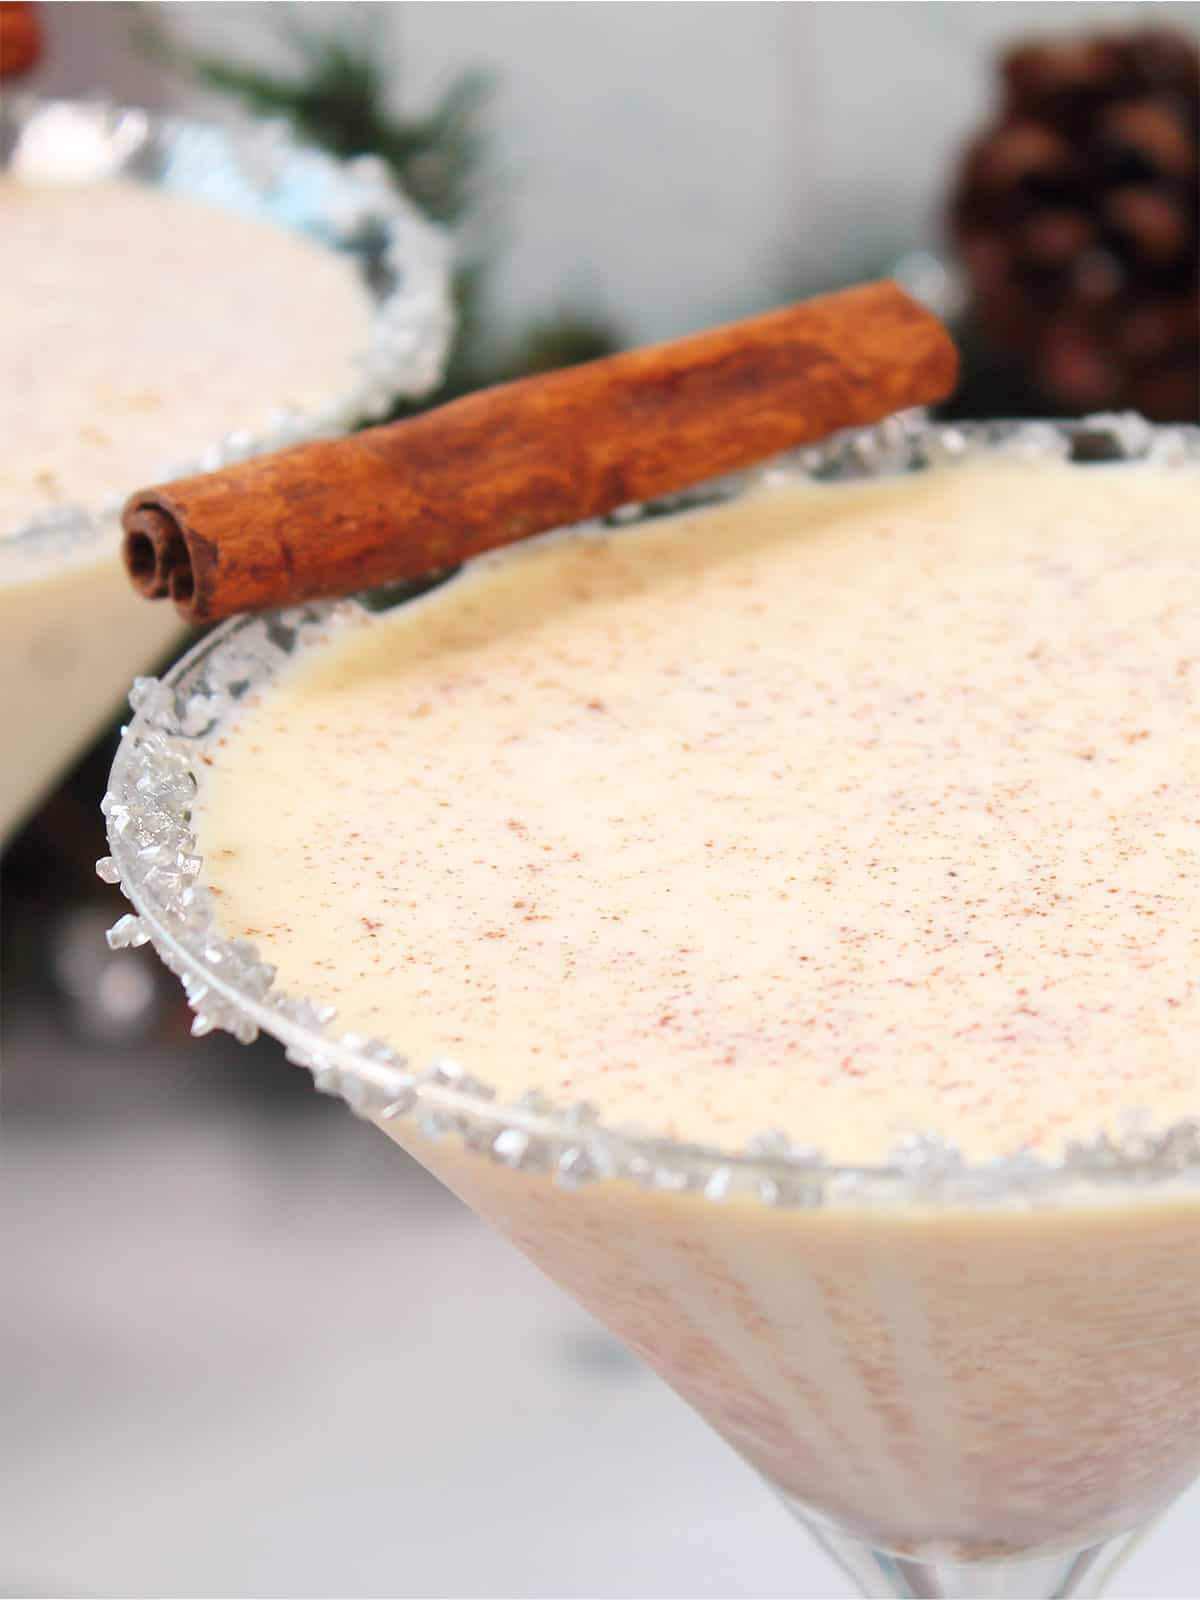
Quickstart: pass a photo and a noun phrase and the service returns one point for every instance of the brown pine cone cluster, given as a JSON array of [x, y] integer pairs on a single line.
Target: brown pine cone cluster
[[1076, 218]]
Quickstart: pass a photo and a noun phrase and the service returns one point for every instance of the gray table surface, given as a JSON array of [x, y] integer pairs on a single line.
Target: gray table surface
[[252, 1350]]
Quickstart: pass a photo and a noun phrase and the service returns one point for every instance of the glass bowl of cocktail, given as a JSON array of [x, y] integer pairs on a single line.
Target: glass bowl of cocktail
[[191, 295], [776, 917]]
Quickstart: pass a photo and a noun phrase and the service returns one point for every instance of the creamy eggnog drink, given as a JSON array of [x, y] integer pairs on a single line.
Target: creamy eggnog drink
[[856, 812], [145, 327]]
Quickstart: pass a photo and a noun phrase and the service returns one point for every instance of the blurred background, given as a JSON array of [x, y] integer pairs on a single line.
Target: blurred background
[[248, 1348]]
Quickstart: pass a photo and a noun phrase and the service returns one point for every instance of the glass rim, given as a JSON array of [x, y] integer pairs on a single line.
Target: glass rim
[[271, 172], [155, 862]]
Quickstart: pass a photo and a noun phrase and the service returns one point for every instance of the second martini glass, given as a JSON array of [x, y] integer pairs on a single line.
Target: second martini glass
[[71, 634], [966, 1379]]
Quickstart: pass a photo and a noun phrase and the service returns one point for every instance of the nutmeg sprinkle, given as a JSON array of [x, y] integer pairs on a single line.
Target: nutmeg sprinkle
[[850, 810]]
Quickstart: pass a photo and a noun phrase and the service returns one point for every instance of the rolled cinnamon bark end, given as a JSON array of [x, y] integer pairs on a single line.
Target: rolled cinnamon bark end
[[338, 516], [155, 552]]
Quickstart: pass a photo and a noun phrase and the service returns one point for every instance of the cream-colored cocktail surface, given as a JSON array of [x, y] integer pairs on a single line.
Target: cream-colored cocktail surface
[[147, 326], [850, 811]]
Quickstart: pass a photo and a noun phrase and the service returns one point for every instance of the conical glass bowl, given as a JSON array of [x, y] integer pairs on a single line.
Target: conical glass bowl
[[965, 1378]]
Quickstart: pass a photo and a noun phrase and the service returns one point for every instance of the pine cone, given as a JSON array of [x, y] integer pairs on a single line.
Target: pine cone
[[1076, 217]]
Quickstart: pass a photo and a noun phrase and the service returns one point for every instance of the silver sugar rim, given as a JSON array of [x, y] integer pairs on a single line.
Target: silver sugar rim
[[155, 861], [263, 170]]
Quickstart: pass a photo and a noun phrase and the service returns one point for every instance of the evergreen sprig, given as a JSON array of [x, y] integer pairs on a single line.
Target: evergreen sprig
[[340, 96]]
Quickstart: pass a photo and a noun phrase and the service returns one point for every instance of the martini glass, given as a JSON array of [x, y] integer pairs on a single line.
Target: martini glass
[[71, 632], [965, 1379]]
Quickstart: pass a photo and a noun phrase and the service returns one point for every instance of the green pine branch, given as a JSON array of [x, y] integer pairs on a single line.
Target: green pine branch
[[340, 101], [339, 96]]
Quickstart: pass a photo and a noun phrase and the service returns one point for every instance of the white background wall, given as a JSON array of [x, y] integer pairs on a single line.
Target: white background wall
[[672, 163]]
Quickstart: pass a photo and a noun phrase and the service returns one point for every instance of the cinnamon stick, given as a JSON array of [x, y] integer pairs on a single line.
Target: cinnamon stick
[[417, 496]]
